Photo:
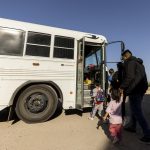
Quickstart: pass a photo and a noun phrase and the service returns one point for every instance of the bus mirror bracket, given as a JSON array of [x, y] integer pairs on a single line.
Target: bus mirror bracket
[[122, 45]]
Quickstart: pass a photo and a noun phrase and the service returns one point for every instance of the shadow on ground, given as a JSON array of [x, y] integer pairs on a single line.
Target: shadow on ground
[[4, 115], [78, 112]]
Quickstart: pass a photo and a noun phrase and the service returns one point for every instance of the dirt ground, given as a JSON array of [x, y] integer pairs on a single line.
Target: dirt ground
[[67, 132]]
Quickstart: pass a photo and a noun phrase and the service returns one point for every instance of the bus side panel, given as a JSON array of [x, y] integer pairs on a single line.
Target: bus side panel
[[15, 71]]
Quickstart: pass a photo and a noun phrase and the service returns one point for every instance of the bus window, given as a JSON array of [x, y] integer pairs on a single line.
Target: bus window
[[38, 44], [64, 47], [11, 42], [90, 60], [94, 57]]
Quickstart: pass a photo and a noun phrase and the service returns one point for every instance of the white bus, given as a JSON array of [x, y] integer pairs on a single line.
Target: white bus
[[42, 66]]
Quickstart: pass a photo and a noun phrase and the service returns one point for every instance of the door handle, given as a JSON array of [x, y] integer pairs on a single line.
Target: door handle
[[35, 64]]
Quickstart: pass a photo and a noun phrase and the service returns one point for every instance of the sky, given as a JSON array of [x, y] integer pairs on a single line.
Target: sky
[[125, 20]]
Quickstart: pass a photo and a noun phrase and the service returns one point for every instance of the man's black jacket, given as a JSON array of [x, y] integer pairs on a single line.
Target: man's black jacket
[[135, 80]]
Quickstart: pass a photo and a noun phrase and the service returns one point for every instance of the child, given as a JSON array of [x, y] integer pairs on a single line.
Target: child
[[98, 101], [115, 115]]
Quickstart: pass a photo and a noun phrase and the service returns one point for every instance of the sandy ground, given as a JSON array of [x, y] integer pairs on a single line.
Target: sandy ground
[[67, 132]]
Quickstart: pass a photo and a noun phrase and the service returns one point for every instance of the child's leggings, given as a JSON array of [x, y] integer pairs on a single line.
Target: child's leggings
[[98, 107]]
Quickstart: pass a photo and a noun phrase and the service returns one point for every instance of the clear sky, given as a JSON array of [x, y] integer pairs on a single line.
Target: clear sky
[[127, 20]]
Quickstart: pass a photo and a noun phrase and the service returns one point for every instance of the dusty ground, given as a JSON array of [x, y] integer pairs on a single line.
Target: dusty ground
[[66, 132]]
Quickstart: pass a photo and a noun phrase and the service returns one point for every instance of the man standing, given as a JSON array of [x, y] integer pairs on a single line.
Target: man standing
[[135, 85]]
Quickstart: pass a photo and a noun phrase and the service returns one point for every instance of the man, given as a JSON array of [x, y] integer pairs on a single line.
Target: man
[[135, 85]]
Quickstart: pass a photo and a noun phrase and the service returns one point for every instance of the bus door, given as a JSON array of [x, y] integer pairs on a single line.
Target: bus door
[[113, 57], [80, 75]]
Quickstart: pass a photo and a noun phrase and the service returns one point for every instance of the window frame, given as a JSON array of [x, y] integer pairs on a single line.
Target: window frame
[[40, 45], [73, 48]]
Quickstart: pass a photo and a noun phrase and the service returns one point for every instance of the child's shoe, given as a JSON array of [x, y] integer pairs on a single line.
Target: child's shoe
[[90, 118]]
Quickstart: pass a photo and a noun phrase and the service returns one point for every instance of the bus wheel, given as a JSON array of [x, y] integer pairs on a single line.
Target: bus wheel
[[37, 103]]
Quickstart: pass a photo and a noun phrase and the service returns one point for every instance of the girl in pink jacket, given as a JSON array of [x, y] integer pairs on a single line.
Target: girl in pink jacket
[[115, 115]]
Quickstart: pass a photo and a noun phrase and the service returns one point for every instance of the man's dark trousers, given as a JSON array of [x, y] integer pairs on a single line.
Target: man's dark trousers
[[137, 113]]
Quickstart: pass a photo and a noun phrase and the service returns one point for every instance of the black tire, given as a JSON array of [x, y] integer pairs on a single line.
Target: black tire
[[36, 104]]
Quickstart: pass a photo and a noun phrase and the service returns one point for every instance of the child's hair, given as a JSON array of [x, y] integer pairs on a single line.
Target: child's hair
[[97, 84], [115, 94]]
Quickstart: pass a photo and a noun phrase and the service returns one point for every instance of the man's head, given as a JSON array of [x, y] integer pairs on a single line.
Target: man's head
[[126, 54]]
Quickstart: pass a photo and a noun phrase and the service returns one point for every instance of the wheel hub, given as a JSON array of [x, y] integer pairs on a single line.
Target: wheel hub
[[37, 102]]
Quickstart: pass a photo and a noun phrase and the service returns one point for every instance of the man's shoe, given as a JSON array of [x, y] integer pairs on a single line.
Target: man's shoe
[[129, 129], [145, 140]]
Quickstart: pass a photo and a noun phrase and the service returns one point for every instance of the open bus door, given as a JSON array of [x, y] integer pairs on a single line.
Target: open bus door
[[90, 52], [113, 56], [80, 75]]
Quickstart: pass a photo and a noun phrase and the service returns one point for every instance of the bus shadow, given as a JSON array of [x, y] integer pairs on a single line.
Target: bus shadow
[[77, 112], [58, 111], [4, 115]]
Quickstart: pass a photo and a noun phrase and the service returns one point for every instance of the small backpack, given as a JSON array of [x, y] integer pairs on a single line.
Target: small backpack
[[100, 96]]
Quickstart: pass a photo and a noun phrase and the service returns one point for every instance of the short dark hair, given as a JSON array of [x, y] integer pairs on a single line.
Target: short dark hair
[[97, 84], [126, 51], [111, 70]]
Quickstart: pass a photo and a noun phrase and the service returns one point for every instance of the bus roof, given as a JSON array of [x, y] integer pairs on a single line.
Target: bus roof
[[47, 29]]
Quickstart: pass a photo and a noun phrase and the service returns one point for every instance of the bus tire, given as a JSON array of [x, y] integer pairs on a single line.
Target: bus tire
[[36, 104]]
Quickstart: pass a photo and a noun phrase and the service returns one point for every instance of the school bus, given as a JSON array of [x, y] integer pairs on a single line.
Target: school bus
[[42, 66]]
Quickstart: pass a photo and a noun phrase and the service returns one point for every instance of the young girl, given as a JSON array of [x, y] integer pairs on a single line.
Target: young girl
[[98, 102], [115, 115]]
